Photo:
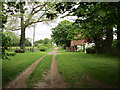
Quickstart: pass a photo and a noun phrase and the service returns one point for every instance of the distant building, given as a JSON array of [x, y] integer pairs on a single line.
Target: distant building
[[77, 44], [81, 44]]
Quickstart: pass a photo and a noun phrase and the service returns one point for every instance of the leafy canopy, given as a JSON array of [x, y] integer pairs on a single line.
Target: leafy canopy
[[62, 33]]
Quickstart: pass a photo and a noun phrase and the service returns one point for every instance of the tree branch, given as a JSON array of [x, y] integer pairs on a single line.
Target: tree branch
[[37, 20], [33, 13], [13, 29]]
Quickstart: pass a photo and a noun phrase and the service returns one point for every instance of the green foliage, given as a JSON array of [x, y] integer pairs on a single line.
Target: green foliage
[[5, 40], [42, 67], [43, 45], [62, 33], [10, 39], [43, 48], [94, 19], [27, 42], [3, 15], [28, 13], [51, 15], [90, 50], [5, 44], [13, 67], [116, 44], [46, 42], [77, 67], [14, 38], [36, 43], [8, 54]]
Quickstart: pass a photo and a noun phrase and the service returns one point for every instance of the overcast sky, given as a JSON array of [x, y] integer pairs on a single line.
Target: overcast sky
[[43, 30]]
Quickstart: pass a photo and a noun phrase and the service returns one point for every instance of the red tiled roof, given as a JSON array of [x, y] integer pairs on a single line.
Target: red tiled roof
[[78, 42]]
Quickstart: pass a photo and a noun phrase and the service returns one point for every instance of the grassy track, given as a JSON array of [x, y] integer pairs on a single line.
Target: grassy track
[[42, 67], [11, 68], [74, 67]]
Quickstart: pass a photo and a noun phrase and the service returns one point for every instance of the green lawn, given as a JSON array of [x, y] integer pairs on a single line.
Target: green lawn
[[42, 67], [75, 67], [11, 68]]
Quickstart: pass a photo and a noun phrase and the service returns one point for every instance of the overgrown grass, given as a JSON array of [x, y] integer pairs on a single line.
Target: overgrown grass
[[11, 68], [75, 66], [42, 67]]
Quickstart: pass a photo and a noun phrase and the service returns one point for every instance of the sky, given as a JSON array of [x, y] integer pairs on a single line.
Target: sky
[[43, 30]]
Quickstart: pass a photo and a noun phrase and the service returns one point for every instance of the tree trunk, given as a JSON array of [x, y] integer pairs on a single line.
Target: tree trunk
[[118, 38], [98, 44], [22, 38], [98, 47], [109, 39], [68, 46], [118, 32]]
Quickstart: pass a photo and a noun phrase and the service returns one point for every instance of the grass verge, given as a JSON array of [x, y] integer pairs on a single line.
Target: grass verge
[[42, 67], [76, 66], [11, 68]]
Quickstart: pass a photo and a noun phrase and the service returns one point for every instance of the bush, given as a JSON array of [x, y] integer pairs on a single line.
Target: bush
[[11, 54], [116, 43], [7, 54], [43, 48], [91, 50], [19, 51]]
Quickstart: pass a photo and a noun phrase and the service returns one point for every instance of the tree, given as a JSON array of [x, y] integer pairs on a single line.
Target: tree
[[30, 13], [27, 42], [15, 40], [4, 40], [45, 42], [38, 42], [95, 20], [3, 15], [61, 34]]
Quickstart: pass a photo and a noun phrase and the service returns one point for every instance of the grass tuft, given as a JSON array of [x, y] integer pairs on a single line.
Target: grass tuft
[[42, 67]]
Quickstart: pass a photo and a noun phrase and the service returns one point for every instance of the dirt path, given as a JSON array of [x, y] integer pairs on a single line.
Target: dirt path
[[19, 81], [52, 79]]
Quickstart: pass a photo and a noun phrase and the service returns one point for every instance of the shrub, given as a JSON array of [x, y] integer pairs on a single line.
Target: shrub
[[116, 43], [11, 54], [19, 51], [7, 54], [91, 50], [43, 48]]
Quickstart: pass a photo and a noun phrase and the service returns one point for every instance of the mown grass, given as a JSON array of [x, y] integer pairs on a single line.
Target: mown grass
[[11, 68], [75, 66], [42, 67]]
